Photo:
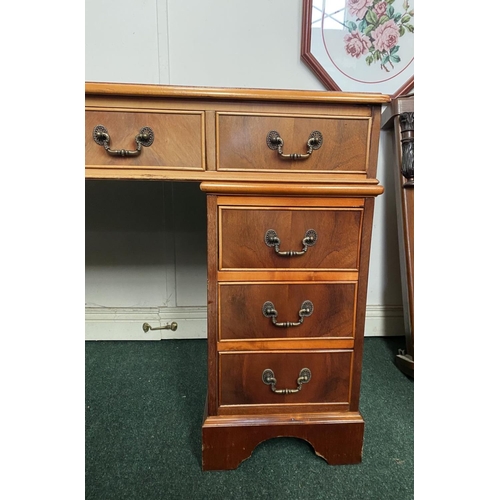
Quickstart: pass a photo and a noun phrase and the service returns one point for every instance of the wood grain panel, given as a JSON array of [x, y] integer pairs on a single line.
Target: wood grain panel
[[179, 139], [288, 344], [240, 379], [242, 143], [241, 314], [212, 306], [286, 275], [364, 260], [254, 196], [243, 230]]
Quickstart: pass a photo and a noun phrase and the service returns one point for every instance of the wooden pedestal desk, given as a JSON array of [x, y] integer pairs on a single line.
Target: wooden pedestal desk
[[290, 178]]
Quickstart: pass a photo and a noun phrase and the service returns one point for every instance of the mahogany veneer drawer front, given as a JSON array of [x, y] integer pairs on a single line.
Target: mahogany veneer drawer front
[[323, 238], [178, 140], [309, 310], [246, 377], [244, 142]]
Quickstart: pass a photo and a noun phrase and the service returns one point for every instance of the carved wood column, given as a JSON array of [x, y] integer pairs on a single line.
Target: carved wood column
[[399, 116]]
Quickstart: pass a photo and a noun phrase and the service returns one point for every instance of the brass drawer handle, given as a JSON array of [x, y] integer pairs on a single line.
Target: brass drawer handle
[[145, 138], [269, 311], [272, 240], [269, 379], [275, 142], [173, 326]]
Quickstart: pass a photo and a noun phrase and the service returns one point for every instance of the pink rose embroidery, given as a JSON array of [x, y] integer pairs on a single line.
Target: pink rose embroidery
[[385, 36], [380, 8], [377, 31], [358, 8], [356, 44]]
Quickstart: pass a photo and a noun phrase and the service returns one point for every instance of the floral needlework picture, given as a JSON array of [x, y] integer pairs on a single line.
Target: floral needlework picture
[[376, 31], [362, 45]]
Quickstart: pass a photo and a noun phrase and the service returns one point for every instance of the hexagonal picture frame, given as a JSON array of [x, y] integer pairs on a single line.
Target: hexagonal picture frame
[[360, 45]]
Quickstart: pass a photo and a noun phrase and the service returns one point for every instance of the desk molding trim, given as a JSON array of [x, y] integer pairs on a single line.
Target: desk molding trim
[[219, 93]]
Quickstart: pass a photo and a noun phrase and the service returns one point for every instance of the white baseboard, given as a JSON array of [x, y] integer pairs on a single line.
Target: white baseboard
[[384, 321], [125, 323]]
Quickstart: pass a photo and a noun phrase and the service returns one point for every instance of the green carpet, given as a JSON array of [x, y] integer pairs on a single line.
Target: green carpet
[[144, 408]]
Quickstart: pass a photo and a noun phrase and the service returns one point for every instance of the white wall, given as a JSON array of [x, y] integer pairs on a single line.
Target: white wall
[[145, 241]]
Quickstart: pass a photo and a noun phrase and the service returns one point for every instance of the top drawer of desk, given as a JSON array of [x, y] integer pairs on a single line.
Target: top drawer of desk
[[178, 142], [249, 238], [242, 142]]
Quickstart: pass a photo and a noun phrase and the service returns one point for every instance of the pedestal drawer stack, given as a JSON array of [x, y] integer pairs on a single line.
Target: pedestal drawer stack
[[287, 276]]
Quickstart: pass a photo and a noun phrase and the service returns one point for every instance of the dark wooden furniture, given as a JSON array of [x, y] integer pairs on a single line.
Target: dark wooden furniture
[[399, 117], [290, 178]]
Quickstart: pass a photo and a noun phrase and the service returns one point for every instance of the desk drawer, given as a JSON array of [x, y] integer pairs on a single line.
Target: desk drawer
[[241, 377], [243, 143], [178, 139], [247, 235], [244, 310]]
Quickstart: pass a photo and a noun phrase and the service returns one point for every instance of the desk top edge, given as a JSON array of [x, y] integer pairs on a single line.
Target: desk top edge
[[227, 93]]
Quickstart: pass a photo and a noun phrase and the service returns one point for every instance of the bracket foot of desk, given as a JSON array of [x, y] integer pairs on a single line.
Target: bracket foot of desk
[[228, 441]]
